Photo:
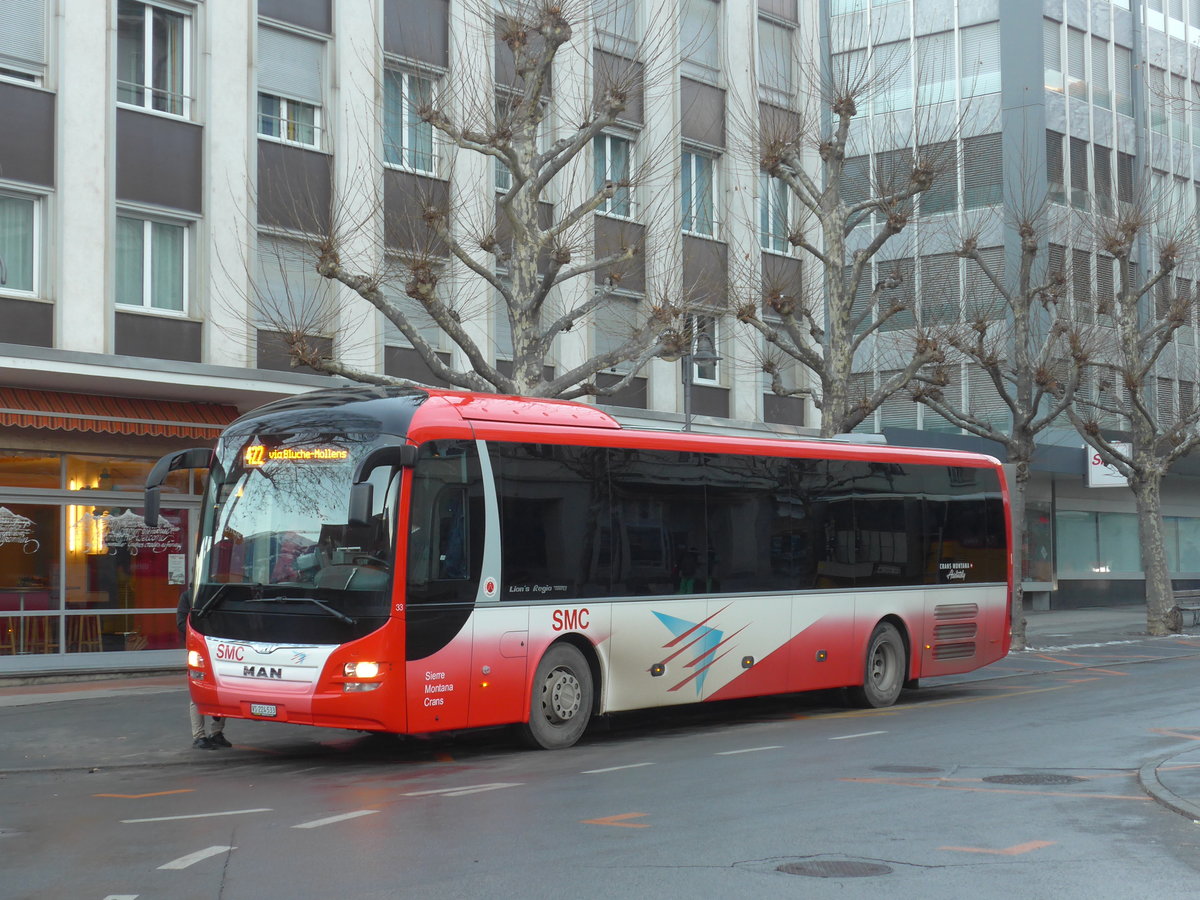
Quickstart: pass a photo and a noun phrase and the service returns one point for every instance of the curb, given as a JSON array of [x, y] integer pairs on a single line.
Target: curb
[[1150, 783]]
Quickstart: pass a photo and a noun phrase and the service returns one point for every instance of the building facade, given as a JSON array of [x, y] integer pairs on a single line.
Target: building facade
[[168, 165]]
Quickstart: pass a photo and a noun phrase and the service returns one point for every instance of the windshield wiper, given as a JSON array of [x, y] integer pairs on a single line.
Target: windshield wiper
[[211, 603], [337, 614]]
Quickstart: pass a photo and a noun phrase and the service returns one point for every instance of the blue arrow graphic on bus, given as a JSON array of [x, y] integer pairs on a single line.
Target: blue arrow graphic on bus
[[698, 637]]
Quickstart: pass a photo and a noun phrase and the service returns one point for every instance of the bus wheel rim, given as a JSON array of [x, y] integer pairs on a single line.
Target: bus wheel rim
[[562, 696]]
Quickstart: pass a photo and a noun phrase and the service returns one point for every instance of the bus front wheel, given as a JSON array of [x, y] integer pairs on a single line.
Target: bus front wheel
[[561, 701], [885, 669]]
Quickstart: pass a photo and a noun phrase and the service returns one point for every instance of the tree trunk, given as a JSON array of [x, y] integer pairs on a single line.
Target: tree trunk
[[1159, 594], [1016, 503]]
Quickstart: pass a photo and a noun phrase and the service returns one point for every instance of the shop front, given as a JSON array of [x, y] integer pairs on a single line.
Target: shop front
[[85, 582]]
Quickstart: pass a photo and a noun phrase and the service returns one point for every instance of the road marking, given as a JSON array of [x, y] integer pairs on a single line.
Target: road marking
[[618, 821], [1009, 851], [317, 823], [463, 791], [232, 812], [847, 737], [747, 750], [122, 897], [1088, 666], [184, 861], [940, 785], [144, 796], [1166, 732], [615, 768]]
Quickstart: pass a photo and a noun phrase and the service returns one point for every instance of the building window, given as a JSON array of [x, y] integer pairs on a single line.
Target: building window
[[291, 121], [1055, 167], [980, 59], [700, 39], [1052, 54], [617, 27], [775, 60], [1157, 85], [697, 180], [153, 65], [610, 163], [18, 244], [935, 68], [152, 262], [1076, 64], [705, 343], [407, 138], [1101, 93], [774, 223], [893, 76], [1123, 80], [982, 171], [290, 87], [23, 40]]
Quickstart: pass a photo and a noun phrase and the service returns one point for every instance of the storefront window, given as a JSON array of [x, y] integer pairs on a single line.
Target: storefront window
[[1094, 544], [117, 568], [29, 583], [117, 473], [25, 469]]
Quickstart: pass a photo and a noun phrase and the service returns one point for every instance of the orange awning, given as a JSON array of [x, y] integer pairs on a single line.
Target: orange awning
[[114, 415]]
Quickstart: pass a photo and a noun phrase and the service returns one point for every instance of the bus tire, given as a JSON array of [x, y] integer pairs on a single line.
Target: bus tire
[[884, 671], [560, 704]]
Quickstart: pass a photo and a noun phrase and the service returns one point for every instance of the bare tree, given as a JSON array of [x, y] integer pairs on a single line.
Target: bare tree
[[820, 321], [1147, 311], [536, 255], [1020, 342]]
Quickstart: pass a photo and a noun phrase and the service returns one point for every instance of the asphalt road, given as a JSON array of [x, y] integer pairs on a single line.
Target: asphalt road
[[1019, 781]]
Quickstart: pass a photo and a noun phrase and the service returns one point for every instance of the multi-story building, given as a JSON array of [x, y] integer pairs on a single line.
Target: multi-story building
[[165, 164]]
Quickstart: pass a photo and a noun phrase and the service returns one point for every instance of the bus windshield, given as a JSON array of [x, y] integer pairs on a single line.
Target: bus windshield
[[275, 529]]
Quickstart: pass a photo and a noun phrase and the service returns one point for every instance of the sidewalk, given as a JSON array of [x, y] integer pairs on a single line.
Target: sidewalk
[[139, 720]]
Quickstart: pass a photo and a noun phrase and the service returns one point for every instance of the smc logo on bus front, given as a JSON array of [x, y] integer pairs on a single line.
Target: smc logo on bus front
[[570, 619], [231, 651]]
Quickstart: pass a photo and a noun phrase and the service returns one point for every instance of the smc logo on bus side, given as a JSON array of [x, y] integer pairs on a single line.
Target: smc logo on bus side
[[570, 619]]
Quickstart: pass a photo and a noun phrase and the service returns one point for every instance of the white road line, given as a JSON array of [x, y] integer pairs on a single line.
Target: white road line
[[747, 750], [184, 861], [846, 737], [463, 791], [232, 812], [122, 897], [615, 768], [317, 823]]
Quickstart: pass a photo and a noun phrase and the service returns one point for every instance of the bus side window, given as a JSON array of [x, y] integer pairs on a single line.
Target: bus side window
[[452, 533]]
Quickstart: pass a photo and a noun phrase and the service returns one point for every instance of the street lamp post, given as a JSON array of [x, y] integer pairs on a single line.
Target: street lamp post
[[701, 353]]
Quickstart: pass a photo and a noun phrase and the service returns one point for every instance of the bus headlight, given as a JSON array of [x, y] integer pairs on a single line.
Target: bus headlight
[[361, 670], [195, 660]]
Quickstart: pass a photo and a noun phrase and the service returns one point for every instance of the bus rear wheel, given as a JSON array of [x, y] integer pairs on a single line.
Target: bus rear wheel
[[561, 704], [885, 669]]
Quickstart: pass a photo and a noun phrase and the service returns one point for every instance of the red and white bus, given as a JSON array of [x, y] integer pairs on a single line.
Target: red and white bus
[[410, 561]]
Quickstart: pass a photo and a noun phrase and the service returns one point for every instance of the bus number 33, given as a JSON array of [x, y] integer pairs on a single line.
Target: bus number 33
[[570, 619]]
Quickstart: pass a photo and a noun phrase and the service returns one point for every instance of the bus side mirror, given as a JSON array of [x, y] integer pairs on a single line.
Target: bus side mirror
[[361, 500], [195, 458], [361, 494]]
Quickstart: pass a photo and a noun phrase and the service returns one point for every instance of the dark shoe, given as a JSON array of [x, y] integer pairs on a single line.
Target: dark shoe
[[219, 740], [203, 743]]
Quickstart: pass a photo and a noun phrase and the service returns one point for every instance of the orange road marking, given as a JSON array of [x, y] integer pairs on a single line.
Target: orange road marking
[[1067, 662], [443, 757], [1010, 851], [143, 796], [617, 821], [940, 785], [1179, 734]]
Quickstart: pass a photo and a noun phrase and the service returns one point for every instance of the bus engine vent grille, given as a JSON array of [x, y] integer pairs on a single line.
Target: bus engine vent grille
[[958, 631], [956, 611], [963, 650]]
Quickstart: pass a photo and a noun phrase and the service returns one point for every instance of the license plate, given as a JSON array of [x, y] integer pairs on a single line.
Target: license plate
[[263, 709]]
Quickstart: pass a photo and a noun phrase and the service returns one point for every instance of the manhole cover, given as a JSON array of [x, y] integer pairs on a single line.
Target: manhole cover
[[834, 868], [906, 770], [1032, 778]]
